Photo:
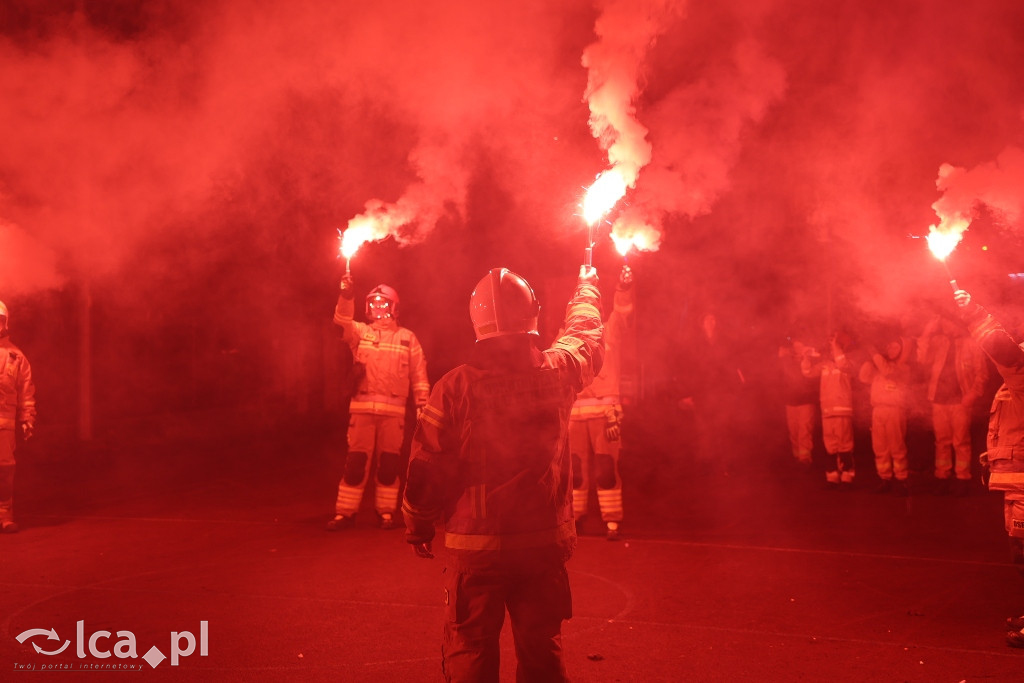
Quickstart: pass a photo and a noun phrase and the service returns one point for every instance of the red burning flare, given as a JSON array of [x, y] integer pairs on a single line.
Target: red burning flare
[[602, 196], [360, 230]]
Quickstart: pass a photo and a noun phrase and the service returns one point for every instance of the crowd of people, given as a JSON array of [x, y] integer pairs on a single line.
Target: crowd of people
[[489, 452], [941, 374]]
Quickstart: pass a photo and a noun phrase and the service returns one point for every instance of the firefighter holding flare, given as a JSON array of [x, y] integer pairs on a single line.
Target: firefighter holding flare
[[1004, 458], [490, 458], [389, 365], [595, 423]]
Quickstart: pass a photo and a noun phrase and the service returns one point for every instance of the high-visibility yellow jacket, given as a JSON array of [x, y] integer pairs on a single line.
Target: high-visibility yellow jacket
[[17, 393], [393, 361], [490, 455]]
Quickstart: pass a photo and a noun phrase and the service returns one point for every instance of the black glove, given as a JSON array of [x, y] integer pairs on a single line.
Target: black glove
[[347, 290]]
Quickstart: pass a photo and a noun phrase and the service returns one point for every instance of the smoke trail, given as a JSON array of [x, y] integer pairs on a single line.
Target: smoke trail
[[626, 31], [26, 265], [698, 127], [997, 185], [695, 125], [440, 189]]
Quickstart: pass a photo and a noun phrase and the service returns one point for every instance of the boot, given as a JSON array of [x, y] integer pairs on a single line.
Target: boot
[[338, 523]]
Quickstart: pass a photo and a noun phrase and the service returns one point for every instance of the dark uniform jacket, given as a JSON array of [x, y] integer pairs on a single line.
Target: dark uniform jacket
[[490, 454]]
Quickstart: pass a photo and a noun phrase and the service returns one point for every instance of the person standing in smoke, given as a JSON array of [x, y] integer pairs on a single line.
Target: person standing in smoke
[[957, 373], [1005, 441], [388, 365], [17, 414], [835, 392], [595, 423], [889, 377], [490, 457], [800, 396], [715, 395]]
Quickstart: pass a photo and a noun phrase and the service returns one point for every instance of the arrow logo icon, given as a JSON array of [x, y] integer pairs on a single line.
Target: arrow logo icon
[[55, 652], [50, 635]]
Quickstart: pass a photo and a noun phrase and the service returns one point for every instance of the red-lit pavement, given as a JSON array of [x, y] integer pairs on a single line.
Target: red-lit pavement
[[755, 576]]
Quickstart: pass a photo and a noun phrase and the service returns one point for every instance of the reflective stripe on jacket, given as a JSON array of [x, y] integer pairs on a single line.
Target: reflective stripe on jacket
[[836, 389], [393, 358]]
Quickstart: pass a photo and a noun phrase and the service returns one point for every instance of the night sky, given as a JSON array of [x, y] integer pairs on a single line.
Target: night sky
[[189, 165]]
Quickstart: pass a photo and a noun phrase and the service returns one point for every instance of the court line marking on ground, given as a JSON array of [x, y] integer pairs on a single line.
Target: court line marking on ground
[[653, 541], [814, 551], [835, 639]]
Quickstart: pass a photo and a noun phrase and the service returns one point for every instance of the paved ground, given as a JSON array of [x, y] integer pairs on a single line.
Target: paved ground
[[758, 575]]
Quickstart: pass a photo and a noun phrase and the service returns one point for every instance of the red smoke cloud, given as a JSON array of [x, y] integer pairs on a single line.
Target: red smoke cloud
[[759, 122]]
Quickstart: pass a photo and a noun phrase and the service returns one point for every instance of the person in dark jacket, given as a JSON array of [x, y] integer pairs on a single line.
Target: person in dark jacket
[[800, 397], [490, 458]]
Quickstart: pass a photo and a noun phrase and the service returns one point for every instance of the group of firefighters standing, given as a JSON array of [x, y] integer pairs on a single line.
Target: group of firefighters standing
[[389, 367], [951, 353], [504, 452], [944, 367]]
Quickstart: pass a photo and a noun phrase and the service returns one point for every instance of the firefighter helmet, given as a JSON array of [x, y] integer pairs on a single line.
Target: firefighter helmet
[[503, 303], [3, 317], [382, 302]]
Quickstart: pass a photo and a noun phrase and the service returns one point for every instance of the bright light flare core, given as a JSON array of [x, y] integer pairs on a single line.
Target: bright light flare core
[[624, 244], [942, 244], [355, 236], [602, 196]]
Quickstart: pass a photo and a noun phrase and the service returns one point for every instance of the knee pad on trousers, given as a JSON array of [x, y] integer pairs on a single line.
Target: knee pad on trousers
[[577, 471], [387, 468], [1017, 554], [355, 468], [605, 471]]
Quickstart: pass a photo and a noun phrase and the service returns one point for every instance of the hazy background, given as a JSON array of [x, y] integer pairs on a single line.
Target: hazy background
[[187, 167]]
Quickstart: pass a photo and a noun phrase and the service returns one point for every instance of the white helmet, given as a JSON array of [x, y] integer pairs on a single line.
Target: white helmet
[[503, 303], [3, 317], [382, 302]]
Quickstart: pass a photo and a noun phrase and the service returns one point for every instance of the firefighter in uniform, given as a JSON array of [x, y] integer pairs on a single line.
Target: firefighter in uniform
[[888, 374], [595, 422], [957, 374], [1004, 458], [389, 365], [491, 459], [17, 413], [836, 397]]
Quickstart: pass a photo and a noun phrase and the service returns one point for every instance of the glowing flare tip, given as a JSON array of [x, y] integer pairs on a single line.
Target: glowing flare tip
[[354, 237], [942, 244], [602, 196]]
